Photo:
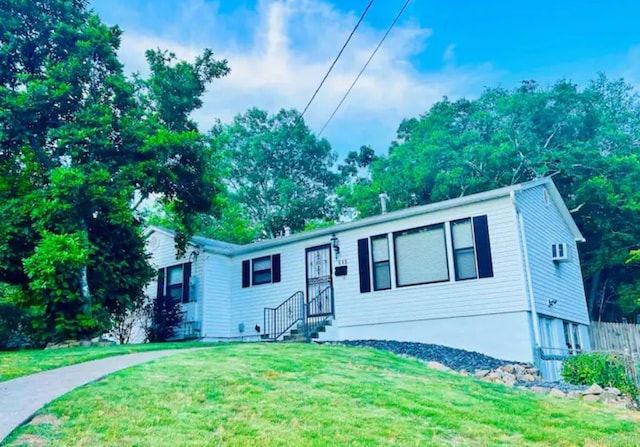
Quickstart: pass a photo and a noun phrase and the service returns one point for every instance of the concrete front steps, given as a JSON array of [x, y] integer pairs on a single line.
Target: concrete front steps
[[297, 334], [327, 331]]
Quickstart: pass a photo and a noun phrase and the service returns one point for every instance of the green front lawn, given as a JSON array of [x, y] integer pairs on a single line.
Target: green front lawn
[[21, 363], [315, 395]]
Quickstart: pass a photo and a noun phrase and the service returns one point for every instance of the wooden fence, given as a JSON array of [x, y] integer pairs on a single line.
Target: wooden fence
[[623, 338], [620, 337]]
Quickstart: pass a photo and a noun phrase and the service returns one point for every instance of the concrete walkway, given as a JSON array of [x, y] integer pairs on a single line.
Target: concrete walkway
[[21, 397]]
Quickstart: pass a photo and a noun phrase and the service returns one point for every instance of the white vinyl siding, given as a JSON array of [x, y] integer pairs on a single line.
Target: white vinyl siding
[[228, 305], [217, 299], [421, 256], [448, 299], [560, 281], [164, 256]]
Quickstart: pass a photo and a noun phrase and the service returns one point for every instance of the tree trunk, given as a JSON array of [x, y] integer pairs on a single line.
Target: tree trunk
[[84, 276], [84, 287], [603, 295], [593, 293]]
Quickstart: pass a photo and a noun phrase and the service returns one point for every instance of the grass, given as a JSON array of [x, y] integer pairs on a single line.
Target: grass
[[21, 363], [314, 395]]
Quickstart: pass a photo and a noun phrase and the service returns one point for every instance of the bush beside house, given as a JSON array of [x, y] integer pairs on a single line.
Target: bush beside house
[[602, 368]]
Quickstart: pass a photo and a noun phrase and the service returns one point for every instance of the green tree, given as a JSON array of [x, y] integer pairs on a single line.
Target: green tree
[[231, 224], [587, 139], [77, 140], [279, 172], [15, 322]]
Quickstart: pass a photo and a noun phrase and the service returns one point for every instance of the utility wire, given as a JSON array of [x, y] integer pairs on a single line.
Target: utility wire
[[364, 13], [406, 3]]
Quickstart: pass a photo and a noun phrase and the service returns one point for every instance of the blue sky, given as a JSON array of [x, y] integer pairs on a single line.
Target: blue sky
[[279, 50]]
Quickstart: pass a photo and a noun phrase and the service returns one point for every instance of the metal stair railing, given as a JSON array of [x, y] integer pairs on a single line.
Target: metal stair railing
[[278, 320], [319, 311]]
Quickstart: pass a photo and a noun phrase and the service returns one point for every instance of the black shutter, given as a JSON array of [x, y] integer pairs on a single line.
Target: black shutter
[[275, 268], [483, 247], [186, 277], [363, 265], [160, 292], [246, 273]]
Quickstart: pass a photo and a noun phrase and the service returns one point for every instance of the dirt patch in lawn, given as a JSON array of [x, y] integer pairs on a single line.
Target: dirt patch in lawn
[[45, 419], [31, 441]]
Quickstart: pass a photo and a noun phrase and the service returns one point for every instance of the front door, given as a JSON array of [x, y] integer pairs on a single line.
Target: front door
[[319, 293]]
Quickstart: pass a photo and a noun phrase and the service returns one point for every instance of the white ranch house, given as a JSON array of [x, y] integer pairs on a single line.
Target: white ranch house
[[496, 272]]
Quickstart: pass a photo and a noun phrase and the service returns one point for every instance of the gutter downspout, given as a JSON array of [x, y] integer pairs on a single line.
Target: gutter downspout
[[524, 258]]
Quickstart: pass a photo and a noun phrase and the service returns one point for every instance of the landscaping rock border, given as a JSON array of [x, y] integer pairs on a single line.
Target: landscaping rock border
[[457, 359], [83, 343], [489, 369]]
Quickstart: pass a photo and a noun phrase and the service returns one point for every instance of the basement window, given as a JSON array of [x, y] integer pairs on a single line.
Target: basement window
[[572, 337]]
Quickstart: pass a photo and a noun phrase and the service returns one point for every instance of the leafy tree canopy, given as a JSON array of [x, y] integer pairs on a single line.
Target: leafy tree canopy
[[77, 140], [587, 139], [278, 171]]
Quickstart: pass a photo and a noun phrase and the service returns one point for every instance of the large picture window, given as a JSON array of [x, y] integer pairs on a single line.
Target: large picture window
[[421, 256], [380, 261]]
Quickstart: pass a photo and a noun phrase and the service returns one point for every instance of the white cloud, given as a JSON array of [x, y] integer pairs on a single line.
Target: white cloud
[[449, 55], [290, 45]]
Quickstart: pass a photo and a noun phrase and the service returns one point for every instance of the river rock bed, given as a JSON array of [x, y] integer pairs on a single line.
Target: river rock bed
[[489, 369], [457, 359]]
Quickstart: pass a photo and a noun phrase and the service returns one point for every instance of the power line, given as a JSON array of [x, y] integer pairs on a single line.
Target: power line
[[406, 3], [364, 13]]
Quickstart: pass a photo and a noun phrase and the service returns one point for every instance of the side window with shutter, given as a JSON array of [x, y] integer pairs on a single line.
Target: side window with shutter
[[174, 281], [186, 279], [275, 268], [161, 290], [471, 248], [483, 246], [246, 273], [262, 270]]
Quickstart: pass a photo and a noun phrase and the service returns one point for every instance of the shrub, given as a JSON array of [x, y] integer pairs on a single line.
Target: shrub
[[15, 322], [124, 324], [605, 369], [164, 315]]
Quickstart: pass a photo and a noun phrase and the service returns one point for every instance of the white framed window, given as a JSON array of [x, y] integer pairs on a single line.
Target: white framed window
[[421, 256], [464, 250], [173, 281], [380, 262], [261, 270]]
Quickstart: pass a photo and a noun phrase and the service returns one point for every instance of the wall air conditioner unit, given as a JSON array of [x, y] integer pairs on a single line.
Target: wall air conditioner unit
[[559, 252]]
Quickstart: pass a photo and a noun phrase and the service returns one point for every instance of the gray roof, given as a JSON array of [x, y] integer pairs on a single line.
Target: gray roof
[[226, 248], [211, 245]]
